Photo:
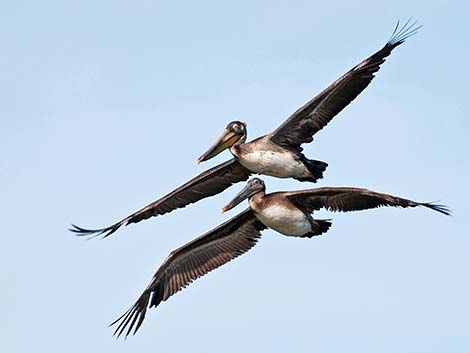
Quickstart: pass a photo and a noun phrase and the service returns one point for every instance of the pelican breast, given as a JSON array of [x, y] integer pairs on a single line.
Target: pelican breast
[[282, 218], [263, 157]]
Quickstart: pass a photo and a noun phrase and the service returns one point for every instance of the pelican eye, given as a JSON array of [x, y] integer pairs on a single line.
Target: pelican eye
[[237, 128]]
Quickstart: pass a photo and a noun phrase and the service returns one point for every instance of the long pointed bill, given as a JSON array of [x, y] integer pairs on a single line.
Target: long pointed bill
[[226, 140], [246, 192]]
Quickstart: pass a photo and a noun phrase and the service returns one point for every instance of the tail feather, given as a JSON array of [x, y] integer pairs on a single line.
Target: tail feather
[[316, 169], [319, 226]]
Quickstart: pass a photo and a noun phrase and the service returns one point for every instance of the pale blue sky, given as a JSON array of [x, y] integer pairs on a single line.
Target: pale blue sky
[[105, 106]]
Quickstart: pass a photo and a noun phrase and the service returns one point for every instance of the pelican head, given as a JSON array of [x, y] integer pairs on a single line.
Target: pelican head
[[252, 187], [233, 133]]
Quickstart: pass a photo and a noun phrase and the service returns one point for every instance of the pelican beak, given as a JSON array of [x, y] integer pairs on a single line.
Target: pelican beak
[[246, 192], [226, 140]]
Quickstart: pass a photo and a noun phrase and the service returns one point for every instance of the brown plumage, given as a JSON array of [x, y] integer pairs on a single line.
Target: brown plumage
[[209, 183], [300, 127], [350, 199], [192, 261]]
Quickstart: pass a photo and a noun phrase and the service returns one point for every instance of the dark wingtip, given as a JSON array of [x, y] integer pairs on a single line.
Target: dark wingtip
[[132, 319], [439, 208], [92, 233], [400, 34], [128, 321], [122, 324]]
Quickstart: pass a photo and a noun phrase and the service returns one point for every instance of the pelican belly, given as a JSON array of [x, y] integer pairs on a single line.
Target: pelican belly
[[285, 220], [281, 164]]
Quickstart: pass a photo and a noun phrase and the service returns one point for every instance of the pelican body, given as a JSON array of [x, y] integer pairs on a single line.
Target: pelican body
[[285, 218], [277, 212], [289, 213], [265, 156]]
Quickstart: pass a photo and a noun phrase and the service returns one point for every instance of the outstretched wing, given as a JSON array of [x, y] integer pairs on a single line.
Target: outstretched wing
[[209, 183], [352, 199], [191, 261], [300, 127]]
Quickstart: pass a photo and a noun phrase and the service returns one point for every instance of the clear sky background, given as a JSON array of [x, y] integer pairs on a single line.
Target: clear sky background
[[105, 106]]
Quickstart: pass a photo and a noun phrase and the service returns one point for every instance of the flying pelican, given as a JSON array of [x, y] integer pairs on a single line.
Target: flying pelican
[[288, 213], [277, 154]]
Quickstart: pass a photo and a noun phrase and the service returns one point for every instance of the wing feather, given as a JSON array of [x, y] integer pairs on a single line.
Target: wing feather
[[352, 199], [191, 261], [209, 183], [300, 127]]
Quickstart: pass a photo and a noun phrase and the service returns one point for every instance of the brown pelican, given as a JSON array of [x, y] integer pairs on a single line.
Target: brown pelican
[[288, 213], [278, 153]]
